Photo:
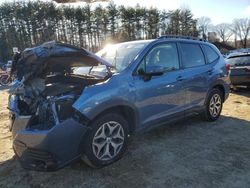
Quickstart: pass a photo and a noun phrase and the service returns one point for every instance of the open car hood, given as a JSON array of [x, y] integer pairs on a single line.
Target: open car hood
[[54, 57]]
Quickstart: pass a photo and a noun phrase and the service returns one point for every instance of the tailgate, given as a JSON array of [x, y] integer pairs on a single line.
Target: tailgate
[[240, 71]]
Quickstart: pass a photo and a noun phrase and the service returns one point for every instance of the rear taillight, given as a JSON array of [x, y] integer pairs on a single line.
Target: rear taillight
[[228, 66]]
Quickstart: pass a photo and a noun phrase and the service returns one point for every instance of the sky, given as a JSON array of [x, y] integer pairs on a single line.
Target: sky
[[220, 11]]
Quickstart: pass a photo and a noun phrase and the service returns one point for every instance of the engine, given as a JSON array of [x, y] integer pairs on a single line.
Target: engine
[[53, 110]]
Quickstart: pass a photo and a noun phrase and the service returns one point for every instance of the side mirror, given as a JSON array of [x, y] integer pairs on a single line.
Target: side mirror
[[155, 70], [151, 71]]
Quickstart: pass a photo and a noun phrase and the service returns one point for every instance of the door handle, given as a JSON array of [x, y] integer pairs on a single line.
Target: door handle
[[180, 78], [210, 71]]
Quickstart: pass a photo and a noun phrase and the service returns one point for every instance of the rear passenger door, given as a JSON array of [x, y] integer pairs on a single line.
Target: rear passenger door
[[196, 72]]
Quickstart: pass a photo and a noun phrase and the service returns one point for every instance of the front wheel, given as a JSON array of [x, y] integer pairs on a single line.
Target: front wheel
[[107, 140], [213, 105]]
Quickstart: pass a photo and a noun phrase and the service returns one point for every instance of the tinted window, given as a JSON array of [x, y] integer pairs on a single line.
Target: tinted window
[[211, 54], [239, 60], [164, 55], [192, 55]]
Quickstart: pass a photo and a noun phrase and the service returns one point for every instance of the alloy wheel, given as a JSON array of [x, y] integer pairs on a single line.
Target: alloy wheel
[[108, 140], [215, 105]]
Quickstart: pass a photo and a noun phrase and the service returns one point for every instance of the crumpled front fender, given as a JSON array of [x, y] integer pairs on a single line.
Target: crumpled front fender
[[97, 98]]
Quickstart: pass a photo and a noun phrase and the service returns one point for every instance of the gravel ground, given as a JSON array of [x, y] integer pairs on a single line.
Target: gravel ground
[[190, 153]]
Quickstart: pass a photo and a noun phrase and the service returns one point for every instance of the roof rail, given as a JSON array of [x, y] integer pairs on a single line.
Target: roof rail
[[181, 37]]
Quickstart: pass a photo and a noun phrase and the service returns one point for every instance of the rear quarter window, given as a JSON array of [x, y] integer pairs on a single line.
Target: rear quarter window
[[192, 55], [211, 54]]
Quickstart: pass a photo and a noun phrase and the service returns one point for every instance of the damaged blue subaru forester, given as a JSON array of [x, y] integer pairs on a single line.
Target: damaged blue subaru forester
[[68, 103]]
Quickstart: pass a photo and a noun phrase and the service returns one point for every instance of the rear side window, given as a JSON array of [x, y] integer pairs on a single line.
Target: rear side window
[[210, 53], [192, 55]]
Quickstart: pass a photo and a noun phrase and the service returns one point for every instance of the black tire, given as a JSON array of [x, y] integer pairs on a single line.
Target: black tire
[[208, 114], [90, 153], [4, 80]]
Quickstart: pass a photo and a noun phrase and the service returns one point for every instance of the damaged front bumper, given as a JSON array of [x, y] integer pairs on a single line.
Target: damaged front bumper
[[47, 150]]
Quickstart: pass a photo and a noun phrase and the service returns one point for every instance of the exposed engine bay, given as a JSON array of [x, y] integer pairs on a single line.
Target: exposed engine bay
[[46, 86], [50, 102]]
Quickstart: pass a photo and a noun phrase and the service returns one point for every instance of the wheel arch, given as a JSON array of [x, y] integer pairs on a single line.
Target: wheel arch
[[128, 112], [222, 89], [219, 86]]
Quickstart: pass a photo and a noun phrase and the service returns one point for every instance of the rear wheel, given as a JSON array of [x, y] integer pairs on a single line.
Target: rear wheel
[[213, 105], [107, 140]]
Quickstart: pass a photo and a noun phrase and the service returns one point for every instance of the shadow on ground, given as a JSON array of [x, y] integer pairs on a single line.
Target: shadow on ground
[[190, 153]]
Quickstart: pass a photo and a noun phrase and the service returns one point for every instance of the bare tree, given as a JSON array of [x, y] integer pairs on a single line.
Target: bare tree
[[235, 33], [203, 25], [241, 27], [86, 1], [224, 31], [28, 23]]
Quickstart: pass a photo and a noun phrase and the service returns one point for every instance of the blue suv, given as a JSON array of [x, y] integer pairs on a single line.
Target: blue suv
[[68, 103]]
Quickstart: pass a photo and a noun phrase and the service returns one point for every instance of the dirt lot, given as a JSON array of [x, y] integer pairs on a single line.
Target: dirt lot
[[190, 153]]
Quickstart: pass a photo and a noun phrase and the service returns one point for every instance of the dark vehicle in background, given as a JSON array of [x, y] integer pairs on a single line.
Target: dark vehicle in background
[[5, 77], [69, 103], [7, 66], [239, 69]]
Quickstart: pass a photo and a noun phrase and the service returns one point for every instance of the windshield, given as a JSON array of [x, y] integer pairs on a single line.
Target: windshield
[[121, 55], [239, 60]]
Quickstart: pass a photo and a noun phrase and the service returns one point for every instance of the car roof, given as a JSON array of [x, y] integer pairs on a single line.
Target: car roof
[[181, 37], [241, 50], [169, 38], [136, 42], [182, 40]]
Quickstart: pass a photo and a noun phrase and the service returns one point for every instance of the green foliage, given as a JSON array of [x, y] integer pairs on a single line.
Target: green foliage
[[28, 23], [181, 22]]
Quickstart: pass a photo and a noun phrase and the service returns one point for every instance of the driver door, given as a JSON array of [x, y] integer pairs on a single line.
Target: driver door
[[161, 96]]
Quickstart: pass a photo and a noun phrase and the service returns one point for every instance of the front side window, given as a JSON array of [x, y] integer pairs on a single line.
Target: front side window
[[211, 54], [192, 55], [164, 56]]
